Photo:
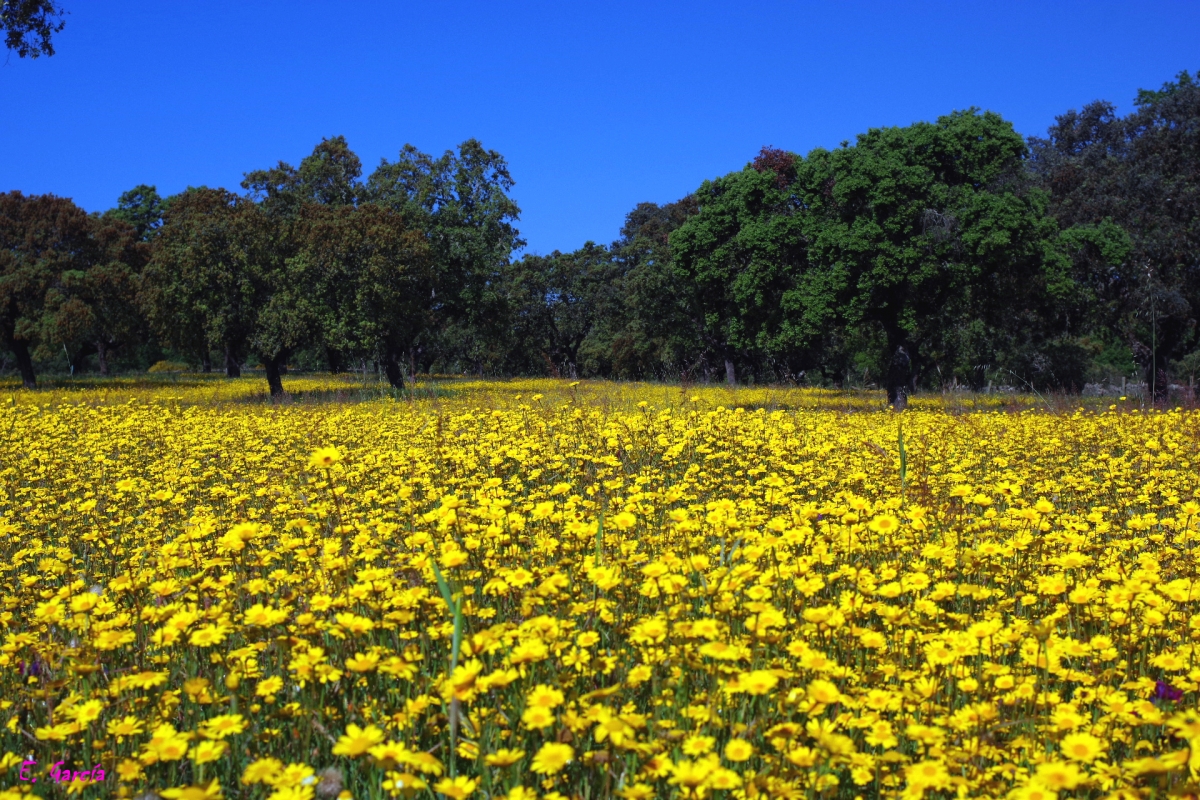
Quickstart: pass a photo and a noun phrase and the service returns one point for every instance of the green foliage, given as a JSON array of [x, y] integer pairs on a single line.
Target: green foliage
[[909, 232], [328, 176], [1149, 97], [194, 291], [88, 309], [1187, 369], [1137, 173], [651, 333], [461, 203], [738, 258], [560, 299], [29, 26], [141, 207], [315, 258], [66, 279], [366, 271]]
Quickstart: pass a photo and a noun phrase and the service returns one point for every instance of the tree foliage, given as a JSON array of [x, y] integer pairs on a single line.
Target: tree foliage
[[1140, 173], [461, 202], [930, 240], [30, 25], [314, 257], [913, 231], [88, 309], [561, 299], [66, 280], [367, 269], [195, 291], [143, 208]]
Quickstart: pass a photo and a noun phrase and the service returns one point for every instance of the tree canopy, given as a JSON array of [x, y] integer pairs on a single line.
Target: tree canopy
[[29, 26]]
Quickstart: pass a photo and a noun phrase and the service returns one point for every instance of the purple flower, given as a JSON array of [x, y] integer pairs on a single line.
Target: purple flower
[[1167, 692]]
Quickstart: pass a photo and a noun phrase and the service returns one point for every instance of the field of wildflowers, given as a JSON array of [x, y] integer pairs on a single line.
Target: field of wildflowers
[[541, 589]]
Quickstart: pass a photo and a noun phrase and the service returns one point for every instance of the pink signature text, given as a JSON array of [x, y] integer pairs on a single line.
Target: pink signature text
[[57, 773]]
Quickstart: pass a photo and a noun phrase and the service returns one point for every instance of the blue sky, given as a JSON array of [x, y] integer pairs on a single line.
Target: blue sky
[[596, 106]]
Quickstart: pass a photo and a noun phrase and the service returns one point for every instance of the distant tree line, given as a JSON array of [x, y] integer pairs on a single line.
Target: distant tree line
[[943, 253]]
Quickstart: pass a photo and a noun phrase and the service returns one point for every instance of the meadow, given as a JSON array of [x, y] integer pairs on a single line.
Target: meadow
[[552, 589]]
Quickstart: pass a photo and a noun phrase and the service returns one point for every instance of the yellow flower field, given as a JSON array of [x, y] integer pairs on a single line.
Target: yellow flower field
[[542, 589]]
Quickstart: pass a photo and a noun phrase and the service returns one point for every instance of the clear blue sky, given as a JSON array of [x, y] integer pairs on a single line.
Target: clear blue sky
[[596, 105]]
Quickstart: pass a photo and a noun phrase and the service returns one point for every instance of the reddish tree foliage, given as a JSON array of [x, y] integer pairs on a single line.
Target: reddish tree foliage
[[781, 162]]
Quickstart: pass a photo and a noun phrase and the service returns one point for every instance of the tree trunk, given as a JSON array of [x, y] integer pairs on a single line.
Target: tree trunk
[[730, 372], [391, 368], [899, 378], [1153, 361], [20, 349], [232, 368], [274, 375], [334, 359], [102, 357], [206, 363], [572, 361]]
